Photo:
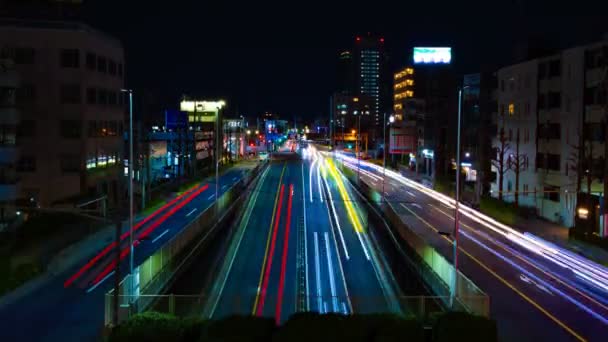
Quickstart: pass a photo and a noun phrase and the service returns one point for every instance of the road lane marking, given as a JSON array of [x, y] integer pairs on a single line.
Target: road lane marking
[[224, 186], [520, 257], [410, 193], [318, 273], [277, 317], [191, 212], [312, 170], [99, 283], [331, 202], [160, 236], [210, 197], [330, 269], [305, 239], [333, 234], [274, 208], [244, 223], [504, 281], [234, 178], [275, 231]]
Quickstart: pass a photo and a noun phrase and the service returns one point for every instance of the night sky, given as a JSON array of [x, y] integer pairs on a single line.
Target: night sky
[[281, 57]]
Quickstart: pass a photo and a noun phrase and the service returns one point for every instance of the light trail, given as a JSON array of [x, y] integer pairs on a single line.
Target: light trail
[[318, 274], [559, 256], [125, 251], [123, 236]]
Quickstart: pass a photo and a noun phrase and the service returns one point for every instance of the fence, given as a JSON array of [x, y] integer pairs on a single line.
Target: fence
[[186, 306], [157, 271], [434, 269]]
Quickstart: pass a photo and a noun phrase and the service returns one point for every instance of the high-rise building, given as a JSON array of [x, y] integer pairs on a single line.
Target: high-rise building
[[370, 75], [71, 109], [345, 74]]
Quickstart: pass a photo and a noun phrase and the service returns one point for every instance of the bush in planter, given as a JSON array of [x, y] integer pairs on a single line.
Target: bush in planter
[[148, 327], [240, 328], [336, 327], [460, 326]]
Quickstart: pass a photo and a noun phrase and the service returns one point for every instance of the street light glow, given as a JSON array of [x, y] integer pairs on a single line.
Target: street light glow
[[391, 119]]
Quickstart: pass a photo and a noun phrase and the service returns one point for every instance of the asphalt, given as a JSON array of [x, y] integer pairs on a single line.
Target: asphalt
[[297, 249], [532, 298], [56, 312]]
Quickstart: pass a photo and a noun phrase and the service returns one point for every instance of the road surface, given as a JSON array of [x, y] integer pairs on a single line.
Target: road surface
[[302, 245], [538, 292]]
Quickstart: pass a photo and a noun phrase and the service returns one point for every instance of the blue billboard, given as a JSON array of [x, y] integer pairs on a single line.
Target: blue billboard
[[175, 119]]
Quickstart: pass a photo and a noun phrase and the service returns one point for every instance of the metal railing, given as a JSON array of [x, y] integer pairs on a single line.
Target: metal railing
[[153, 275], [187, 306]]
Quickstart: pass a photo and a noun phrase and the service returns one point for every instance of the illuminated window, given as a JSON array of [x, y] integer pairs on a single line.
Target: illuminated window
[[511, 108], [409, 82], [409, 93], [409, 71]]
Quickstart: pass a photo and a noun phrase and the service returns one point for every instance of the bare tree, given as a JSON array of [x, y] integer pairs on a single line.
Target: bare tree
[[517, 163], [498, 160]]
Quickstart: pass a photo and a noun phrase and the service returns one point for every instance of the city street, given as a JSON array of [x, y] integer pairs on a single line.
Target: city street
[[301, 246], [79, 292], [531, 283]]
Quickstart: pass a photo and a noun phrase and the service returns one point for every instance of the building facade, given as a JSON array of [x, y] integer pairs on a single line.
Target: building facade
[[9, 121], [553, 109], [71, 108]]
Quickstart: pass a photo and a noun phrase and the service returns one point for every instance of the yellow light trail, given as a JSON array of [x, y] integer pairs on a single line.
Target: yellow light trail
[[352, 215]]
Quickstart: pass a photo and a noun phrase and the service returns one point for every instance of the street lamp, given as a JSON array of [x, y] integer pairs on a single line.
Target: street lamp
[[391, 119], [248, 132], [131, 249], [456, 212]]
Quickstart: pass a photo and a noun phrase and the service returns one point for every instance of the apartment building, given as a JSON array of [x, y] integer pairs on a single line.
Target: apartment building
[[71, 108], [550, 130]]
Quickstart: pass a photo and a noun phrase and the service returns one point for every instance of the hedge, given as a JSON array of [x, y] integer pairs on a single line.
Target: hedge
[[152, 327]]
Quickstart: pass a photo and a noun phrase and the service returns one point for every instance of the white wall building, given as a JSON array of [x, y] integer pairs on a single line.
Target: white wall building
[[546, 99]]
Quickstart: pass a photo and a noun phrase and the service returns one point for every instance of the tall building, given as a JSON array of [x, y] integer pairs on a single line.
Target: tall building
[[553, 109], [9, 119], [71, 108], [370, 74], [345, 77]]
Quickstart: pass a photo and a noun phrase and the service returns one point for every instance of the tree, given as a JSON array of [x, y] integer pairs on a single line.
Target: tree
[[499, 159], [517, 163]]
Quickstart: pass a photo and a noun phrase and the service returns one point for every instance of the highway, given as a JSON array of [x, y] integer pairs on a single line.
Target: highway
[[301, 245], [70, 305], [538, 291]]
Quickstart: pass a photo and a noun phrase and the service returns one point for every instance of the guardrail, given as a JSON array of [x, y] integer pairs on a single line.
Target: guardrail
[[185, 306], [156, 272], [435, 270]]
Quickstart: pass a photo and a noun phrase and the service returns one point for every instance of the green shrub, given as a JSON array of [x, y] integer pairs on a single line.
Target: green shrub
[[459, 326], [148, 327], [336, 327], [240, 328], [499, 210]]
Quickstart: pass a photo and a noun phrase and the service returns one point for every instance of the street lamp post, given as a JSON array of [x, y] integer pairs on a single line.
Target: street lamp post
[[130, 171], [456, 211], [391, 120]]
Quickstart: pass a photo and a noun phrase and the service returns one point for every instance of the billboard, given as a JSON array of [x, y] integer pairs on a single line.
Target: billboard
[[432, 55], [175, 119], [402, 140]]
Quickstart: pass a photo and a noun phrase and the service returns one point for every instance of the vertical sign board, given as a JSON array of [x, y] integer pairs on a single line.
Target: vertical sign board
[[401, 141]]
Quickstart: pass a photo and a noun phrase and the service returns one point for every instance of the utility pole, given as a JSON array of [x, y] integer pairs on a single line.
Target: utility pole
[[605, 194], [456, 211]]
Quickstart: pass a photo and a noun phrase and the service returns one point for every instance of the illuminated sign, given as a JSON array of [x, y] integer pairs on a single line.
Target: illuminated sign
[[432, 55]]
